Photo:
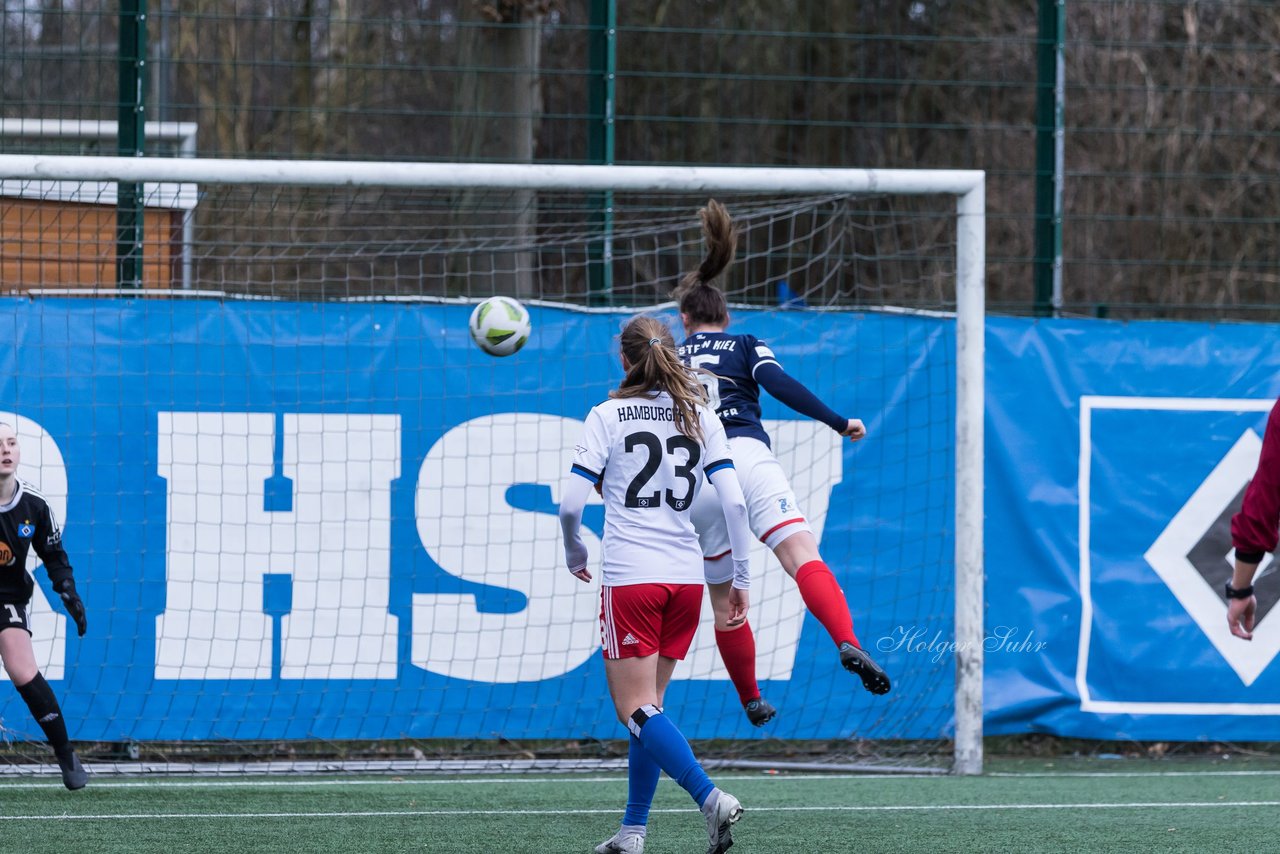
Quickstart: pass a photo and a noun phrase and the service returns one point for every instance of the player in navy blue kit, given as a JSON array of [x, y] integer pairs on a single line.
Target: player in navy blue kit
[[649, 450], [26, 522], [735, 369]]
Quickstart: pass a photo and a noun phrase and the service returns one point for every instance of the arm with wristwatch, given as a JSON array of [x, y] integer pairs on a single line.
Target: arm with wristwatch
[[1255, 530]]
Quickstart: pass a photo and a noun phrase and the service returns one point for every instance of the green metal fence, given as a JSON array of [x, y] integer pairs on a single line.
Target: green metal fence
[[1161, 194]]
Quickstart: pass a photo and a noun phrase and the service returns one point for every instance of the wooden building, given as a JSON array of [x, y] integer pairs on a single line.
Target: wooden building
[[57, 235]]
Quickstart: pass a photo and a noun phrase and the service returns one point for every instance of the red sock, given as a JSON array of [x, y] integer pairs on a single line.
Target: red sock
[[738, 651], [825, 600]]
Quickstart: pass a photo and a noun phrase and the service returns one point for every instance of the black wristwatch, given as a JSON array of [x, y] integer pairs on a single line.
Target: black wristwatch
[[1242, 593]]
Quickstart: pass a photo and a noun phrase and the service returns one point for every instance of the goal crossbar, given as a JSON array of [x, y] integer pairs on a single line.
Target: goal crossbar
[[967, 186], [958, 182]]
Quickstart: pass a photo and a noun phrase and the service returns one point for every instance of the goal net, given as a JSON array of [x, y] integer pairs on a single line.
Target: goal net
[[309, 517]]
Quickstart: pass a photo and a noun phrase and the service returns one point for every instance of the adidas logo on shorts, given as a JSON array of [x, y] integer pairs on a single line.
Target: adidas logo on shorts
[[629, 639]]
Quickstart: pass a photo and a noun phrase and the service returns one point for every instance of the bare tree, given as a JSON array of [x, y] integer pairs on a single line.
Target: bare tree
[[212, 53], [1171, 143], [499, 102]]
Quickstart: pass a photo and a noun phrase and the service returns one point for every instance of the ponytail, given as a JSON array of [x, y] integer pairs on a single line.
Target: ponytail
[[655, 366], [699, 298]]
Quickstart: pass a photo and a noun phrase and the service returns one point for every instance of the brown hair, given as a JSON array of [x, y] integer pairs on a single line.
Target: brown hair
[[701, 300], [651, 351]]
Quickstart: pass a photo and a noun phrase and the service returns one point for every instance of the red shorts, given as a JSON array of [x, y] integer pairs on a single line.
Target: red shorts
[[637, 620]]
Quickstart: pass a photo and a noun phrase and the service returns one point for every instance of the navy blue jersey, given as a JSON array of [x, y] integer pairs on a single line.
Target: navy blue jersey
[[743, 364], [735, 395]]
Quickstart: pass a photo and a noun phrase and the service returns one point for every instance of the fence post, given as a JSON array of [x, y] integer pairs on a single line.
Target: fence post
[[1050, 96], [131, 140], [602, 66]]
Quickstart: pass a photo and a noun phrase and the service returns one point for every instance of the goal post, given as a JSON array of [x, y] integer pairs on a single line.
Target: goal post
[[824, 249]]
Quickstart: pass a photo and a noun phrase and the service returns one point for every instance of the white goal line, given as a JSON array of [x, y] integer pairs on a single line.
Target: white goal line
[[849, 808]]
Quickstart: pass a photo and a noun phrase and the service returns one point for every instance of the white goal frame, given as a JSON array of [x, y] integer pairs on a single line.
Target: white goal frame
[[967, 186]]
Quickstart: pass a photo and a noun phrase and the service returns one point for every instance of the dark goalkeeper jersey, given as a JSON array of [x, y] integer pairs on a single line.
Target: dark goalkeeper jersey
[[27, 522]]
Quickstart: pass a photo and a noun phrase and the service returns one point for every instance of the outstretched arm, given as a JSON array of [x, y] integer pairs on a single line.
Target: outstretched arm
[[773, 379]]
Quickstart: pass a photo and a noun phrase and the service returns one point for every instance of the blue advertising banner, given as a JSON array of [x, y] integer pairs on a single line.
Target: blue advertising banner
[[337, 520], [1116, 456]]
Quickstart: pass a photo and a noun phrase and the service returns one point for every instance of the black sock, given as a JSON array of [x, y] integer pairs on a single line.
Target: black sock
[[45, 709]]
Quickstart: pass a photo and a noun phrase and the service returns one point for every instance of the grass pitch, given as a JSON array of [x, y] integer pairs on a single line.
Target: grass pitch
[[1024, 806]]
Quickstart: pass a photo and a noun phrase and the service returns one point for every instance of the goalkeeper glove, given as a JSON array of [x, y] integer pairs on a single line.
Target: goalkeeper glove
[[66, 588]]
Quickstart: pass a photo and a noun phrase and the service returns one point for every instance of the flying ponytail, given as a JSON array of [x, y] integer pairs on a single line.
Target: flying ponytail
[[699, 298]]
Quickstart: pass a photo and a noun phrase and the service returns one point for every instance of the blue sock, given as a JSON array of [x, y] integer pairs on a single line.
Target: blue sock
[[663, 741], [642, 781]]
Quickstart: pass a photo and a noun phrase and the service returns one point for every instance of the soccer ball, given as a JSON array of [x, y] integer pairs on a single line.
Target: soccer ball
[[500, 325]]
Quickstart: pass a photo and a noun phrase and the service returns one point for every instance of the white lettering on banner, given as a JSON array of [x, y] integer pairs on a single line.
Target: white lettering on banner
[[471, 531], [810, 454], [43, 467], [334, 545]]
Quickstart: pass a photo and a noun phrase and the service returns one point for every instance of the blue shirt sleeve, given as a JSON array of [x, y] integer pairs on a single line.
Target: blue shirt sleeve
[[773, 379]]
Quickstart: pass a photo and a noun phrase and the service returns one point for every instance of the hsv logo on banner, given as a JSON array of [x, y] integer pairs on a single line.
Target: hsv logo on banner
[[1160, 479]]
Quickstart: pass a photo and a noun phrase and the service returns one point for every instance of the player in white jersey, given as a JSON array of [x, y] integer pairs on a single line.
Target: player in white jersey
[[739, 366], [648, 449]]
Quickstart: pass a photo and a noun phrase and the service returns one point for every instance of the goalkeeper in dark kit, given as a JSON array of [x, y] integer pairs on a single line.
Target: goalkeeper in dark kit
[[26, 522]]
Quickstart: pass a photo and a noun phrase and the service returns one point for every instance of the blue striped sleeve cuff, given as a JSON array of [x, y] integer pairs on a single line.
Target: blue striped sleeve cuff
[[712, 468], [583, 471]]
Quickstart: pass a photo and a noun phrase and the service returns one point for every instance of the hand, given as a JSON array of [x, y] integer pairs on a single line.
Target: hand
[[855, 430], [1240, 614], [738, 605], [67, 590], [575, 557]]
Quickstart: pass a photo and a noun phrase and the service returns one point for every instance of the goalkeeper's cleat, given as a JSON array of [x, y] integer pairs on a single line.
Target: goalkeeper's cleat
[[760, 711], [73, 774], [722, 811], [628, 840], [856, 661]]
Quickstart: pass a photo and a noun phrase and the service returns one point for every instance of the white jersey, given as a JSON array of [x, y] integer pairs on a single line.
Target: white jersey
[[649, 474]]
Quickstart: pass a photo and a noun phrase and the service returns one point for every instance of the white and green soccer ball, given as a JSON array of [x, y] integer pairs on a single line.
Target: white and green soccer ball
[[500, 325]]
